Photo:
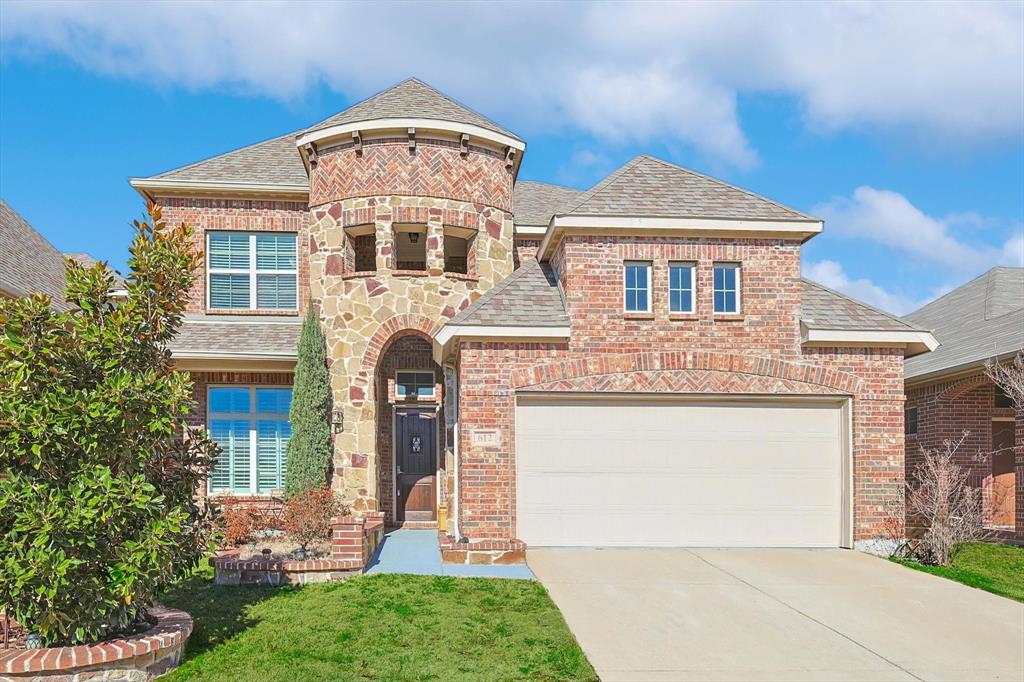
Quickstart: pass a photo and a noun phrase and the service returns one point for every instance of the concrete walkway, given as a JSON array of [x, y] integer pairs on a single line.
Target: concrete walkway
[[418, 552], [676, 614]]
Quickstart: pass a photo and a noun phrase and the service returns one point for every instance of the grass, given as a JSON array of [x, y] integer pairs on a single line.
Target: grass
[[994, 568], [382, 627]]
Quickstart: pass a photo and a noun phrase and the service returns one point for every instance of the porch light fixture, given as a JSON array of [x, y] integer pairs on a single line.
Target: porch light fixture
[[414, 237], [338, 420]]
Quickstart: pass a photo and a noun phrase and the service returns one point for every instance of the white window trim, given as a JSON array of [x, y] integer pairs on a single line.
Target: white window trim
[[693, 286], [252, 270], [433, 382], [648, 266], [738, 267], [252, 417]]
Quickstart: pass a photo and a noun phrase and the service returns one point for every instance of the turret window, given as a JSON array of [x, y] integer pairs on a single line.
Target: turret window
[[410, 247], [458, 246]]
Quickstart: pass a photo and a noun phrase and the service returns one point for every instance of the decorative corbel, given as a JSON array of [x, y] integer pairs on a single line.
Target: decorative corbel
[[464, 144], [357, 139], [412, 140], [311, 154], [510, 155]]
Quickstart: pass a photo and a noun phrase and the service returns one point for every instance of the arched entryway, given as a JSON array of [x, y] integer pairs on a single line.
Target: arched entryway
[[410, 433]]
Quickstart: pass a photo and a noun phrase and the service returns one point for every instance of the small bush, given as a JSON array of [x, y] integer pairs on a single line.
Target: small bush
[[242, 522], [307, 515]]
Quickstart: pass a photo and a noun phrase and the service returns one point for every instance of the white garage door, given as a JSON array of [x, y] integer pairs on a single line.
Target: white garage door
[[634, 472]]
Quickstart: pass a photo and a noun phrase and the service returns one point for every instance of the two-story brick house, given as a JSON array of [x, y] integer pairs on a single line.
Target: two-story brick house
[[637, 364]]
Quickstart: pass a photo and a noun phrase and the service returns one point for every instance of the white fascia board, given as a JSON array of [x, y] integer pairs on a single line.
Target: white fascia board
[[449, 333], [803, 228], [346, 129], [531, 230], [165, 184], [188, 354], [915, 341]]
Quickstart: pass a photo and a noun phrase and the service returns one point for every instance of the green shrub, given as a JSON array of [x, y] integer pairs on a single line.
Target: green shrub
[[309, 448], [98, 470]]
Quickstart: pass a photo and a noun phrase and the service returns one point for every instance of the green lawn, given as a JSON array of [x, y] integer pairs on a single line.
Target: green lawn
[[994, 568], [384, 627]]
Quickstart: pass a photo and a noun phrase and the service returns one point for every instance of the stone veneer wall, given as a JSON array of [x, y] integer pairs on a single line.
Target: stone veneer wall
[[244, 215], [383, 184], [948, 408]]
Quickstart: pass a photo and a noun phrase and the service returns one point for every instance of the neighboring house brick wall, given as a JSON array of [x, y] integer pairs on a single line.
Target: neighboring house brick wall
[[591, 271], [245, 215]]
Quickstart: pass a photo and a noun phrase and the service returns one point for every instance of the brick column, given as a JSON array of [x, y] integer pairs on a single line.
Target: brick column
[[348, 540], [435, 244]]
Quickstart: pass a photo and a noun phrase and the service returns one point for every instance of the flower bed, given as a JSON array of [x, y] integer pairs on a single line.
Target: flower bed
[[136, 657]]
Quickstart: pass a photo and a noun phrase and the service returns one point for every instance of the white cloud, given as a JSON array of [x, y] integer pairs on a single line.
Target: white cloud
[[889, 218], [950, 74], [831, 274]]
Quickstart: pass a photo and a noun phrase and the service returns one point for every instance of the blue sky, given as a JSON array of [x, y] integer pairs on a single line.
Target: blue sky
[[902, 128]]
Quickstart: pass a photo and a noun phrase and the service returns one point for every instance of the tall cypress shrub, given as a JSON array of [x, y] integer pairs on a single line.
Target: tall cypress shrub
[[309, 449]]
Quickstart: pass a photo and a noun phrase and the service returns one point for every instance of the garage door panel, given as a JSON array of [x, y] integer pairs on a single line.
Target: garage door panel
[[630, 473]]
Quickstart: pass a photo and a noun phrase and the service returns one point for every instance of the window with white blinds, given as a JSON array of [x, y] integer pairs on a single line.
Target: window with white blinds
[[250, 424], [251, 271]]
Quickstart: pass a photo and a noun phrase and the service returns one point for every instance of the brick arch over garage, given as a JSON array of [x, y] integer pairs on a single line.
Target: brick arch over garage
[[685, 371], [964, 386], [392, 329]]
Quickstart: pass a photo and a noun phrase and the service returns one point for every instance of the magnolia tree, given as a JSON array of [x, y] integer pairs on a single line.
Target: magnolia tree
[[98, 469]]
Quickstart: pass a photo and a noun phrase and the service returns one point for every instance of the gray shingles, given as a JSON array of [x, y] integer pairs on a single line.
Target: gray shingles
[[28, 262], [410, 98], [650, 187], [823, 308], [272, 162], [977, 321], [533, 203], [214, 335], [529, 297]]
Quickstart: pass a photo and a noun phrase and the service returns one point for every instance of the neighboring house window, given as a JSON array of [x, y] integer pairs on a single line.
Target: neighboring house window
[[250, 424], [727, 288], [252, 271], [638, 287], [680, 287], [910, 421], [414, 385], [1002, 398]]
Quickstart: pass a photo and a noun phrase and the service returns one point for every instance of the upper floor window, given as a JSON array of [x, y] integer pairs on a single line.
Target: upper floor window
[[250, 424], [637, 287], [251, 271], [681, 287], [727, 287], [414, 385], [458, 242], [910, 421]]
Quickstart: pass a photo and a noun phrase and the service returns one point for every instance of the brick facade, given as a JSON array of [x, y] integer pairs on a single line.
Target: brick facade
[[947, 410]]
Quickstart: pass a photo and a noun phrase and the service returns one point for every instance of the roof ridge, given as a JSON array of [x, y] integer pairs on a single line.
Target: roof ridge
[[516, 274], [983, 275], [223, 154], [603, 184], [730, 185], [32, 227], [895, 318], [550, 184]]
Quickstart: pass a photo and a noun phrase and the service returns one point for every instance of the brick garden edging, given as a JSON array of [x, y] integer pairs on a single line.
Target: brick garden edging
[[353, 542], [484, 552], [142, 656]]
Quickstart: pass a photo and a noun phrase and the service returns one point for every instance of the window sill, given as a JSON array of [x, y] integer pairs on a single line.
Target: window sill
[[410, 273], [638, 316], [360, 274], [729, 317], [461, 277], [257, 312], [683, 317]]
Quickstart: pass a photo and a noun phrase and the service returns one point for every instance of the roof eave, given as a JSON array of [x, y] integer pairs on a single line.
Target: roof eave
[[448, 335], [915, 342], [151, 187], [962, 369]]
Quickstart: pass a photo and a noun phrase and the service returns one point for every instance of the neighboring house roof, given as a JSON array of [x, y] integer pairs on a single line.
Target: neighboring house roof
[[28, 262], [215, 337], [824, 308], [529, 297], [410, 98], [534, 203], [975, 322], [650, 187], [271, 162]]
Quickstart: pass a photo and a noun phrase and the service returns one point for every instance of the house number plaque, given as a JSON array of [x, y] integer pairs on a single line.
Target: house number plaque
[[485, 438]]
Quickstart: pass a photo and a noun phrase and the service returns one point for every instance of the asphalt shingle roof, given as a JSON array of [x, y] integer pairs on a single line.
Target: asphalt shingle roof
[[529, 297], [29, 263], [271, 162], [650, 187], [824, 308], [410, 98], [533, 203], [212, 335], [977, 321]]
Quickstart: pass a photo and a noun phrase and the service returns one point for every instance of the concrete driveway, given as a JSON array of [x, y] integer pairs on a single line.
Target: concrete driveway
[[705, 614]]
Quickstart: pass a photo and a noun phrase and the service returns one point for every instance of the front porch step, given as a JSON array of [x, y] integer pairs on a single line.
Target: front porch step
[[415, 525]]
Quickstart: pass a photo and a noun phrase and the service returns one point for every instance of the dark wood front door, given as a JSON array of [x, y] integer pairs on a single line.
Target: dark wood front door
[[416, 464]]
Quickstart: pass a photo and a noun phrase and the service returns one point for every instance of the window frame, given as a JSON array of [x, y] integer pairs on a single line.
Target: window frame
[[253, 417], [907, 421], [647, 266], [432, 384], [738, 268], [253, 271], [692, 289]]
